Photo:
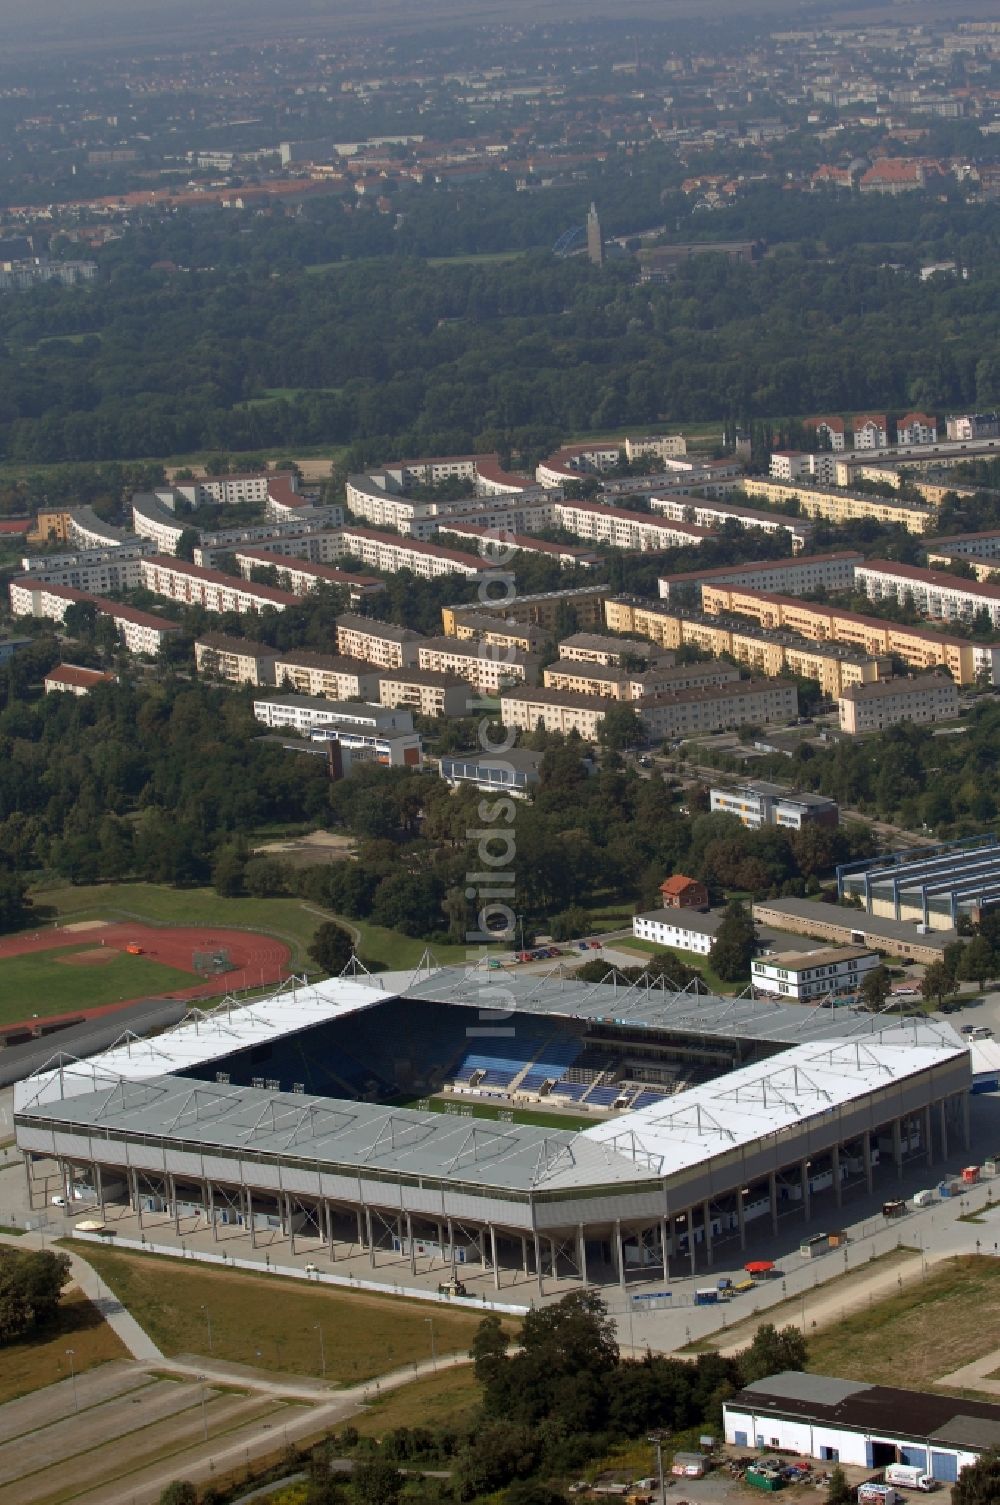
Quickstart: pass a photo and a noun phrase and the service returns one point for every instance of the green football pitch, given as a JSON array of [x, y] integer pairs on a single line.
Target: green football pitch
[[43, 983]]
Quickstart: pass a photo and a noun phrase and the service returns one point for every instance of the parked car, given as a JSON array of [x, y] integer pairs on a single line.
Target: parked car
[[595, 946]]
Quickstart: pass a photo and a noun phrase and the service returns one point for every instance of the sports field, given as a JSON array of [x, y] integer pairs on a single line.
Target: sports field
[[47, 983]]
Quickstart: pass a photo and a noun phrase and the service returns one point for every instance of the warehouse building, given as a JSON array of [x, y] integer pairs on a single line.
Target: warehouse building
[[934, 889], [868, 1426]]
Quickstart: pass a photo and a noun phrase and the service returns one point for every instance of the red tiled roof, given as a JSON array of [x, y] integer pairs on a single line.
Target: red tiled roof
[[678, 884], [216, 577], [76, 675]]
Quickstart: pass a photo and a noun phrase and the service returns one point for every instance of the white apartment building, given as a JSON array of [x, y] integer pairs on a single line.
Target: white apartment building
[[713, 514], [300, 576], [597, 648], [225, 491], [757, 804], [680, 929], [789, 577], [153, 518], [873, 707], [623, 529], [385, 552], [240, 660], [788, 464], [916, 428], [871, 431], [193, 585], [326, 676], [88, 531], [966, 426], [661, 446], [718, 708], [486, 666], [95, 570], [141, 631], [555, 710], [303, 712], [808, 976], [831, 432], [379, 643], [425, 692], [935, 593]]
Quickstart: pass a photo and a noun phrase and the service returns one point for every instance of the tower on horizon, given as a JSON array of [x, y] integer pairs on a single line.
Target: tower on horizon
[[595, 240]]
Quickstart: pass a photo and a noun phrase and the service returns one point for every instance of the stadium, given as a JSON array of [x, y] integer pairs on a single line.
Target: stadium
[[693, 1123]]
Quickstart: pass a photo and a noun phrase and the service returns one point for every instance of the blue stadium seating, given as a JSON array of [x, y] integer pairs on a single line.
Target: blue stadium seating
[[647, 1097], [575, 1091], [603, 1097]]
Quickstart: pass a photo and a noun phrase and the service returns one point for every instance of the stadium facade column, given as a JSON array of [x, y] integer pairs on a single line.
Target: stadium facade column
[[493, 1257], [553, 1259], [99, 1186], [29, 1183], [619, 1252], [581, 1244], [361, 1233], [524, 1254], [368, 1232], [538, 1264], [944, 1128], [249, 1216], [804, 1183], [288, 1221], [866, 1150], [172, 1185], [741, 1217], [451, 1248], [772, 1191], [665, 1246], [689, 1219], [966, 1126], [929, 1134], [706, 1213], [410, 1245], [838, 1195], [133, 1175], [897, 1145], [210, 1204]]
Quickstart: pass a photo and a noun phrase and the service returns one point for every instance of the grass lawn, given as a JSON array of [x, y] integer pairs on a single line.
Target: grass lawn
[[518, 1115], [271, 1322], [438, 1400], [920, 1334], [701, 963], [50, 982], [291, 920], [41, 1359]]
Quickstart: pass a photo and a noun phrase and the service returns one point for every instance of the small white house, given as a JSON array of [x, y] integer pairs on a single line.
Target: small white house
[[801, 976], [682, 929]]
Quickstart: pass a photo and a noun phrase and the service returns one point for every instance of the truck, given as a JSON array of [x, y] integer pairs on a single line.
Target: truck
[[878, 1494], [907, 1476]]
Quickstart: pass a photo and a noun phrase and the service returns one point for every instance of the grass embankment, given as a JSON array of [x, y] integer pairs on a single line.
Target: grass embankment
[[923, 1332], [41, 1358], [437, 1400], [291, 920], [274, 1323], [60, 982], [700, 963]]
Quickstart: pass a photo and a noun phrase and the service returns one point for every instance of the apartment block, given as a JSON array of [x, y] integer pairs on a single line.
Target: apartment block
[[622, 529], [715, 514], [326, 676], [153, 518], [871, 431], [629, 684], [798, 576], [194, 585], [554, 710], [239, 660], [300, 576], [655, 446], [141, 632], [386, 552], [935, 593], [303, 712], [96, 570], [496, 545], [916, 428], [967, 426], [544, 610], [872, 708], [676, 714], [472, 625], [597, 648], [762, 650], [484, 665], [425, 692], [920, 647], [379, 643], [801, 976], [840, 506]]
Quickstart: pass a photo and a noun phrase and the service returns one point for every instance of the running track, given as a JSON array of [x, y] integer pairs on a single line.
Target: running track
[[255, 959]]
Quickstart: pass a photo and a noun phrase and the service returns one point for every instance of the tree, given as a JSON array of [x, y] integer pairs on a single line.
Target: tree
[[978, 961], [30, 1287], [227, 871], [979, 1483], [376, 1481], [771, 1352], [838, 1491], [180, 1492], [620, 727], [735, 943], [936, 983], [875, 988], [332, 947]]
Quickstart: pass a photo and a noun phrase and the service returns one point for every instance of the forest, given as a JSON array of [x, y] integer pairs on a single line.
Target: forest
[[396, 353]]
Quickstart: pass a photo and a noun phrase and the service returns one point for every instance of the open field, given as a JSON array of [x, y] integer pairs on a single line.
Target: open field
[[291, 920], [436, 1400], [926, 1330], [41, 1359], [475, 258], [271, 1323], [59, 982]]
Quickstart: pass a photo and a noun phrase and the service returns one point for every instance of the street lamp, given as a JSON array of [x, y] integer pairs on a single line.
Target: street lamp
[[208, 1320], [70, 1354], [204, 1413], [430, 1323], [322, 1351], [657, 1438]]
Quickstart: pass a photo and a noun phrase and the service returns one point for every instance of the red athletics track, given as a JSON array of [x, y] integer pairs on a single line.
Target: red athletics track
[[255, 959]]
